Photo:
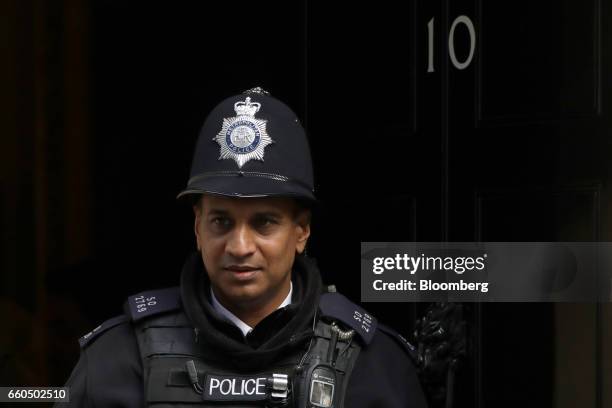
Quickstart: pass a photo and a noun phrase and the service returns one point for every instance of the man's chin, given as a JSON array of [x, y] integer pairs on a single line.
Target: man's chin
[[243, 294]]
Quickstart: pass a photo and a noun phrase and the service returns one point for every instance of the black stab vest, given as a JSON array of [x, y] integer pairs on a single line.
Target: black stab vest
[[317, 376]]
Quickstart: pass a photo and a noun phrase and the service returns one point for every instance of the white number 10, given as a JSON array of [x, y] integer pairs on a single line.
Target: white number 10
[[451, 43]]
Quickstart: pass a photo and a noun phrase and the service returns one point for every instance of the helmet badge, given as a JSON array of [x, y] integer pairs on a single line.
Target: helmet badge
[[243, 137]]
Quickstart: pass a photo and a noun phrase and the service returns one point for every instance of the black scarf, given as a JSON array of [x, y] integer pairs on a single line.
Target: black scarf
[[275, 336]]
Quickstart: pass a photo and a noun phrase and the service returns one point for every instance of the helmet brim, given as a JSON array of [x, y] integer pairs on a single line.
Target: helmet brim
[[246, 186]]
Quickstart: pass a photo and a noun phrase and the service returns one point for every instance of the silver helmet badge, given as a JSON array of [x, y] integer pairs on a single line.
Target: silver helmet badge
[[243, 137]]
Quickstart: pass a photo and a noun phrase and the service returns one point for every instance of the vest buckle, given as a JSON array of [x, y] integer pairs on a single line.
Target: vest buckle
[[279, 386]]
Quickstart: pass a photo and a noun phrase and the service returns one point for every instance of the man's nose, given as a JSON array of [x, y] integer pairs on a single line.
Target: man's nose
[[241, 242]]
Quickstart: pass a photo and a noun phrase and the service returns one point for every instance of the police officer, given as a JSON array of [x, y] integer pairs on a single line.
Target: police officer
[[251, 323]]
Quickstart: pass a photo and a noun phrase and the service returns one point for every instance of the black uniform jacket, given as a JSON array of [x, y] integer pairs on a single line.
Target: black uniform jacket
[[109, 372]]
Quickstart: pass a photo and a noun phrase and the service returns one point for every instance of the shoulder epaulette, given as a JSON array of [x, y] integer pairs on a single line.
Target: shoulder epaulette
[[338, 307], [405, 344], [110, 323], [153, 302]]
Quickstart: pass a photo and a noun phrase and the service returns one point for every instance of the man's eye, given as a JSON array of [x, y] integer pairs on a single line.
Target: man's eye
[[220, 222], [265, 222]]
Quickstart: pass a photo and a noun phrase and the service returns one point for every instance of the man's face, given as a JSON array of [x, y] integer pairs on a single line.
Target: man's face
[[248, 246]]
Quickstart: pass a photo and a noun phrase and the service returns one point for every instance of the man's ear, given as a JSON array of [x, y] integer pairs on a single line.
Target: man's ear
[[197, 212], [303, 231]]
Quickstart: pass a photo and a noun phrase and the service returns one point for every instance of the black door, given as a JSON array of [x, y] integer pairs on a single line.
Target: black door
[[464, 121]]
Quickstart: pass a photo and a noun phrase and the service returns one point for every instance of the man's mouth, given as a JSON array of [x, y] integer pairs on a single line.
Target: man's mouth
[[241, 268], [242, 271]]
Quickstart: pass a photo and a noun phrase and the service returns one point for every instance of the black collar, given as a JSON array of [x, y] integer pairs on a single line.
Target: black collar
[[280, 331]]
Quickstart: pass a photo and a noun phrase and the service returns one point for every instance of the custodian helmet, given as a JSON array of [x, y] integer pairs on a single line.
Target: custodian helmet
[[252, 145]]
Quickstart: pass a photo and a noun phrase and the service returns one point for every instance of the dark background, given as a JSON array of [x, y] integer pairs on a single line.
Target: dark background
[[102, 103]]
